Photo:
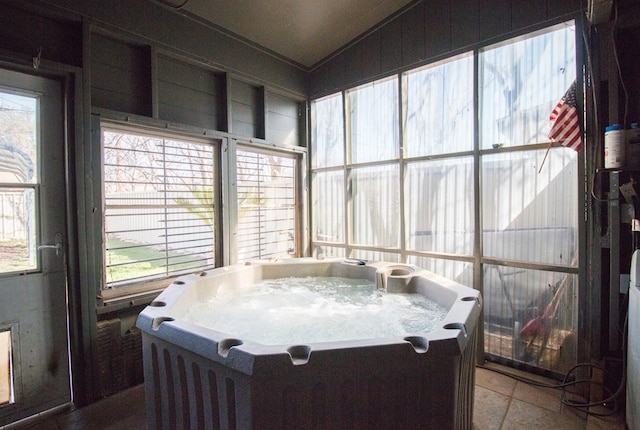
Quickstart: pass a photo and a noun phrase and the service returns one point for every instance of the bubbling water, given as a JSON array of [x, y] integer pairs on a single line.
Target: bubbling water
[[306, 310]]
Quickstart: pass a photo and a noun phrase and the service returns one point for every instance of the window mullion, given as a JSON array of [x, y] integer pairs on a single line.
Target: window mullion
[[477, 201], [402, 112], [348, 202]]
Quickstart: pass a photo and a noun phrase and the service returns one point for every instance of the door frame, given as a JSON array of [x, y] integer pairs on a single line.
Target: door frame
[[81, 302]]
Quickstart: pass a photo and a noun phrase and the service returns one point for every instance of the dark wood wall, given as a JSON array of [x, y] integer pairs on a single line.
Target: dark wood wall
[[428, 30], [144, 59]]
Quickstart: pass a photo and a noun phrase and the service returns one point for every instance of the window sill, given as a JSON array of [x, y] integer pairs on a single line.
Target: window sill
[[129, 296]]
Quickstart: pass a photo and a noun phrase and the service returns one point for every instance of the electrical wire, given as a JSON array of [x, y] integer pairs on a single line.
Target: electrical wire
[[584, 406], [597, 132], [617, 59], [174, 6], [566, 382]]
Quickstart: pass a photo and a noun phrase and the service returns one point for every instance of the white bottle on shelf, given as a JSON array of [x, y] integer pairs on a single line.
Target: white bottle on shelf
[[614, 147], [633, 147]]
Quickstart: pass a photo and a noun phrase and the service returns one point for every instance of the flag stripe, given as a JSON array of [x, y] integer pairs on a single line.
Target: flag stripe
[[564, 116]]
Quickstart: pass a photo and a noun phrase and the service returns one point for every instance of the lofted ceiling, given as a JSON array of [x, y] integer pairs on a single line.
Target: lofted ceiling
[[304, 31]]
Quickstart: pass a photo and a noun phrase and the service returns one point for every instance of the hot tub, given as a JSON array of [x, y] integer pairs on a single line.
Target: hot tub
[[201, 378]]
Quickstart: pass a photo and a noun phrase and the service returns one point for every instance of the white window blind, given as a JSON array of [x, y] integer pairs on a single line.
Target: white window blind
[[159, 217], [266, 205]]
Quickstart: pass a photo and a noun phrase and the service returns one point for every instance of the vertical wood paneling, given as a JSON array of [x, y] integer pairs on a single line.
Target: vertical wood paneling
[[320, 79], [558, 8], [465, 23], [437, 27], [370, 54], [413, 36], [120, 76], [527, 12], [495, 18], [347, 64], [391, 45]]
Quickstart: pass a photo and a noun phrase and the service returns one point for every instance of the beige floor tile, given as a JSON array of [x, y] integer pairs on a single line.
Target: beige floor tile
[[544, 398], [489, 409], [526, 416], [495, 381], [615, 422]]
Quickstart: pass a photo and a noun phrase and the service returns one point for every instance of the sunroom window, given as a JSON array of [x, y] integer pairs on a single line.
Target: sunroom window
[[529, 202], [452, 169], [159, 205], [267, 204]]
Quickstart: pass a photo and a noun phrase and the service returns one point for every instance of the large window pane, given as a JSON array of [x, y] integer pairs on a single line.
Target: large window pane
[[439, 206], [373, 113], [530, 316], [521, 82], [266, 205], [440, 110], [531, 216], [159, 206], [528, 208], [458, 271], [376, 205], [327, 117], [328, 206]]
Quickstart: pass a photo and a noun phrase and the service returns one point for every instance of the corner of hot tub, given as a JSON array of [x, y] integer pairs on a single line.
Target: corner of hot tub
[[459, 327]]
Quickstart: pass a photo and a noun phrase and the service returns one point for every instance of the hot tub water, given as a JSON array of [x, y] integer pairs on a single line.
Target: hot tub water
[[316, 309]]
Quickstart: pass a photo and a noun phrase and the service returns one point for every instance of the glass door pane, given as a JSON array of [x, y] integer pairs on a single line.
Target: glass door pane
[[18, 183]]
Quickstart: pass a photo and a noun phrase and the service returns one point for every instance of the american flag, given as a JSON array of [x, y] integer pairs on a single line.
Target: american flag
[[566, 127]]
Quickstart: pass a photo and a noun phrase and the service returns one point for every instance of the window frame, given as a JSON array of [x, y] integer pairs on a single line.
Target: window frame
[[298, 158], [125, 296], [144, 289], [570, 267]]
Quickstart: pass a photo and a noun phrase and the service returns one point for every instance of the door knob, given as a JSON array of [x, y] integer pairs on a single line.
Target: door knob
[[57, 245]]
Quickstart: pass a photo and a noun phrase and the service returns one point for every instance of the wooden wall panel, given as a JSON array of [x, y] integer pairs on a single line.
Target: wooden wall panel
[[370, 54], [525, 13], [282, 121], [559, 8], [465, 23], [120, 76], [322, 80], [189, 94], [413, 35], [495, 18], [165, 28], [348, 63], [25, 32], [437, 29], [246, 118], [391, 45]]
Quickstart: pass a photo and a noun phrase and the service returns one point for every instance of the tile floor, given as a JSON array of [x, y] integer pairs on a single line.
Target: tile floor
[[501, 403]]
